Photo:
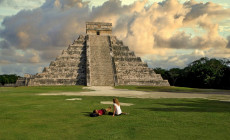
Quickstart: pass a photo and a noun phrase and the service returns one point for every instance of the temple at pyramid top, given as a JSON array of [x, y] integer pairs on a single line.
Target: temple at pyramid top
[[98, 28]]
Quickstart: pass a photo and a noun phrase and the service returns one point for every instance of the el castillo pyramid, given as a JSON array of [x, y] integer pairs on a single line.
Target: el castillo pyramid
[[96, 59]]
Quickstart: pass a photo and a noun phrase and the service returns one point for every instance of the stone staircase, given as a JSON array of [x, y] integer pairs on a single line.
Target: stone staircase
[[100, 61]]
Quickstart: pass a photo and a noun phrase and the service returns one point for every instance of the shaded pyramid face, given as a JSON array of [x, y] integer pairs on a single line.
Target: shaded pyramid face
[[97, 59], [69, 68]]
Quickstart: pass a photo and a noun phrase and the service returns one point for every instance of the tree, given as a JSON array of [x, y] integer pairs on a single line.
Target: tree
[[202, 73], [205, 73], [174, 75], [162, 72], [8, 79]]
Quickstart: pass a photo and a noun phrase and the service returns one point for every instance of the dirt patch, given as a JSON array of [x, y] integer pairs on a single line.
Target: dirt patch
[[224, 100], [73, 99], [112, 92]]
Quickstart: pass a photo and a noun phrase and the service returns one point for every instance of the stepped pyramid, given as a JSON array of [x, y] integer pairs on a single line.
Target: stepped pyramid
[[96, 59]]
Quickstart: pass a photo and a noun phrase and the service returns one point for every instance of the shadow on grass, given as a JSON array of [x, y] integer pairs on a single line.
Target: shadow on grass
[[183, 90], [86, 113], [192, 106], [160, 89]]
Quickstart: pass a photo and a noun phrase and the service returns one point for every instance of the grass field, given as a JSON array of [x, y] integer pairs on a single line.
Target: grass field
[[173, 89], [25, 115]]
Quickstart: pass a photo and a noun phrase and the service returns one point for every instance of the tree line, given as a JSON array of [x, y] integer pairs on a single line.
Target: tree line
[[8, 79], [203, 73]]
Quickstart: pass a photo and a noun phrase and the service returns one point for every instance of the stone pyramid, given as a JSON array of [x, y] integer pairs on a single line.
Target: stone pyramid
[[97, 59]]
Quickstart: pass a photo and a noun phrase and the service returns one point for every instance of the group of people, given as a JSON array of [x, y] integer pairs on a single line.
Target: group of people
[[116, 110]]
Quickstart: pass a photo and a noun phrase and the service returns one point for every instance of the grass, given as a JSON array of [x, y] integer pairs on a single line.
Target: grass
[[40, 89], [25, 115], [173, 89]]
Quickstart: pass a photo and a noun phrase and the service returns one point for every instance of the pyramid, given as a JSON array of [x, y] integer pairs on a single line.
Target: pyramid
[[96, 59]]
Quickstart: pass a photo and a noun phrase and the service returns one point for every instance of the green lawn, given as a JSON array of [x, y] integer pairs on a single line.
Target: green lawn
[[25, 115], [40, 89], [173, 89]]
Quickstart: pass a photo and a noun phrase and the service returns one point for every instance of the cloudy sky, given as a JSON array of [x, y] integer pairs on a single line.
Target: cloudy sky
[[164, 33]]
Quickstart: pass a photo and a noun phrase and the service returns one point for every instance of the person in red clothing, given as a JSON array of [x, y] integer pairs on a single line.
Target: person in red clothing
[[102, 111]]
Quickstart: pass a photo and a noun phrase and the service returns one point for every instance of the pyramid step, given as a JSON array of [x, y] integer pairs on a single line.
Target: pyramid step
[[136, 59], [75, 47], [73, 52], [125, 53], [79, 70], [66, 63], [130, 64], [120, 48], [125, 57], [47, 82], [137, 69], [144, 82], [69, 58]]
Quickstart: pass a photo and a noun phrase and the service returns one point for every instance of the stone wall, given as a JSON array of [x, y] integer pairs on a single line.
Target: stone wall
[[22, 81], [98, 28]]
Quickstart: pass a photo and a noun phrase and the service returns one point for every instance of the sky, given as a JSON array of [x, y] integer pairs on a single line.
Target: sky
[[164, 33]]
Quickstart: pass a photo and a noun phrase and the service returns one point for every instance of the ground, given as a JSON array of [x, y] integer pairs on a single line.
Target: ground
[[111, 91], [25, 114]]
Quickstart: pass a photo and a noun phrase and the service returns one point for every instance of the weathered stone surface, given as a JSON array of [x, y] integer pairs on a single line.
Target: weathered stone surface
[[68, 69], [98, 28], [130, 70], [97, 59], [100, 66]]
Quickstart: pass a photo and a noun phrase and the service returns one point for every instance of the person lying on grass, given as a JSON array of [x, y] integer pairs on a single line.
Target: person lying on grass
[[102, 111], [117, 108]]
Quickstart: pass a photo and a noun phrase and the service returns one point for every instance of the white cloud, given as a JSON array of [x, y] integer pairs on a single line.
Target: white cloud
[[228, 45], [21, 4]]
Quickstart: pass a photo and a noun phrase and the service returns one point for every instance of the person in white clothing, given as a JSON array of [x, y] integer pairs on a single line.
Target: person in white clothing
[[117, 108]]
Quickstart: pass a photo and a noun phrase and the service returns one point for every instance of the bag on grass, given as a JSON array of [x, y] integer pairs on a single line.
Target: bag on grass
[[93, 115]]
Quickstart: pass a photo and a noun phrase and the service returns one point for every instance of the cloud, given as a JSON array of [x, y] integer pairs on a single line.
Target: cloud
[[4, 62], [21, 69], [173, 60], [12, 55], [148, 29], [19, 4], [228, 45], [160, 22], [42, 28], [1, 17], [4, 44], [64, 4], [199, 9]]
